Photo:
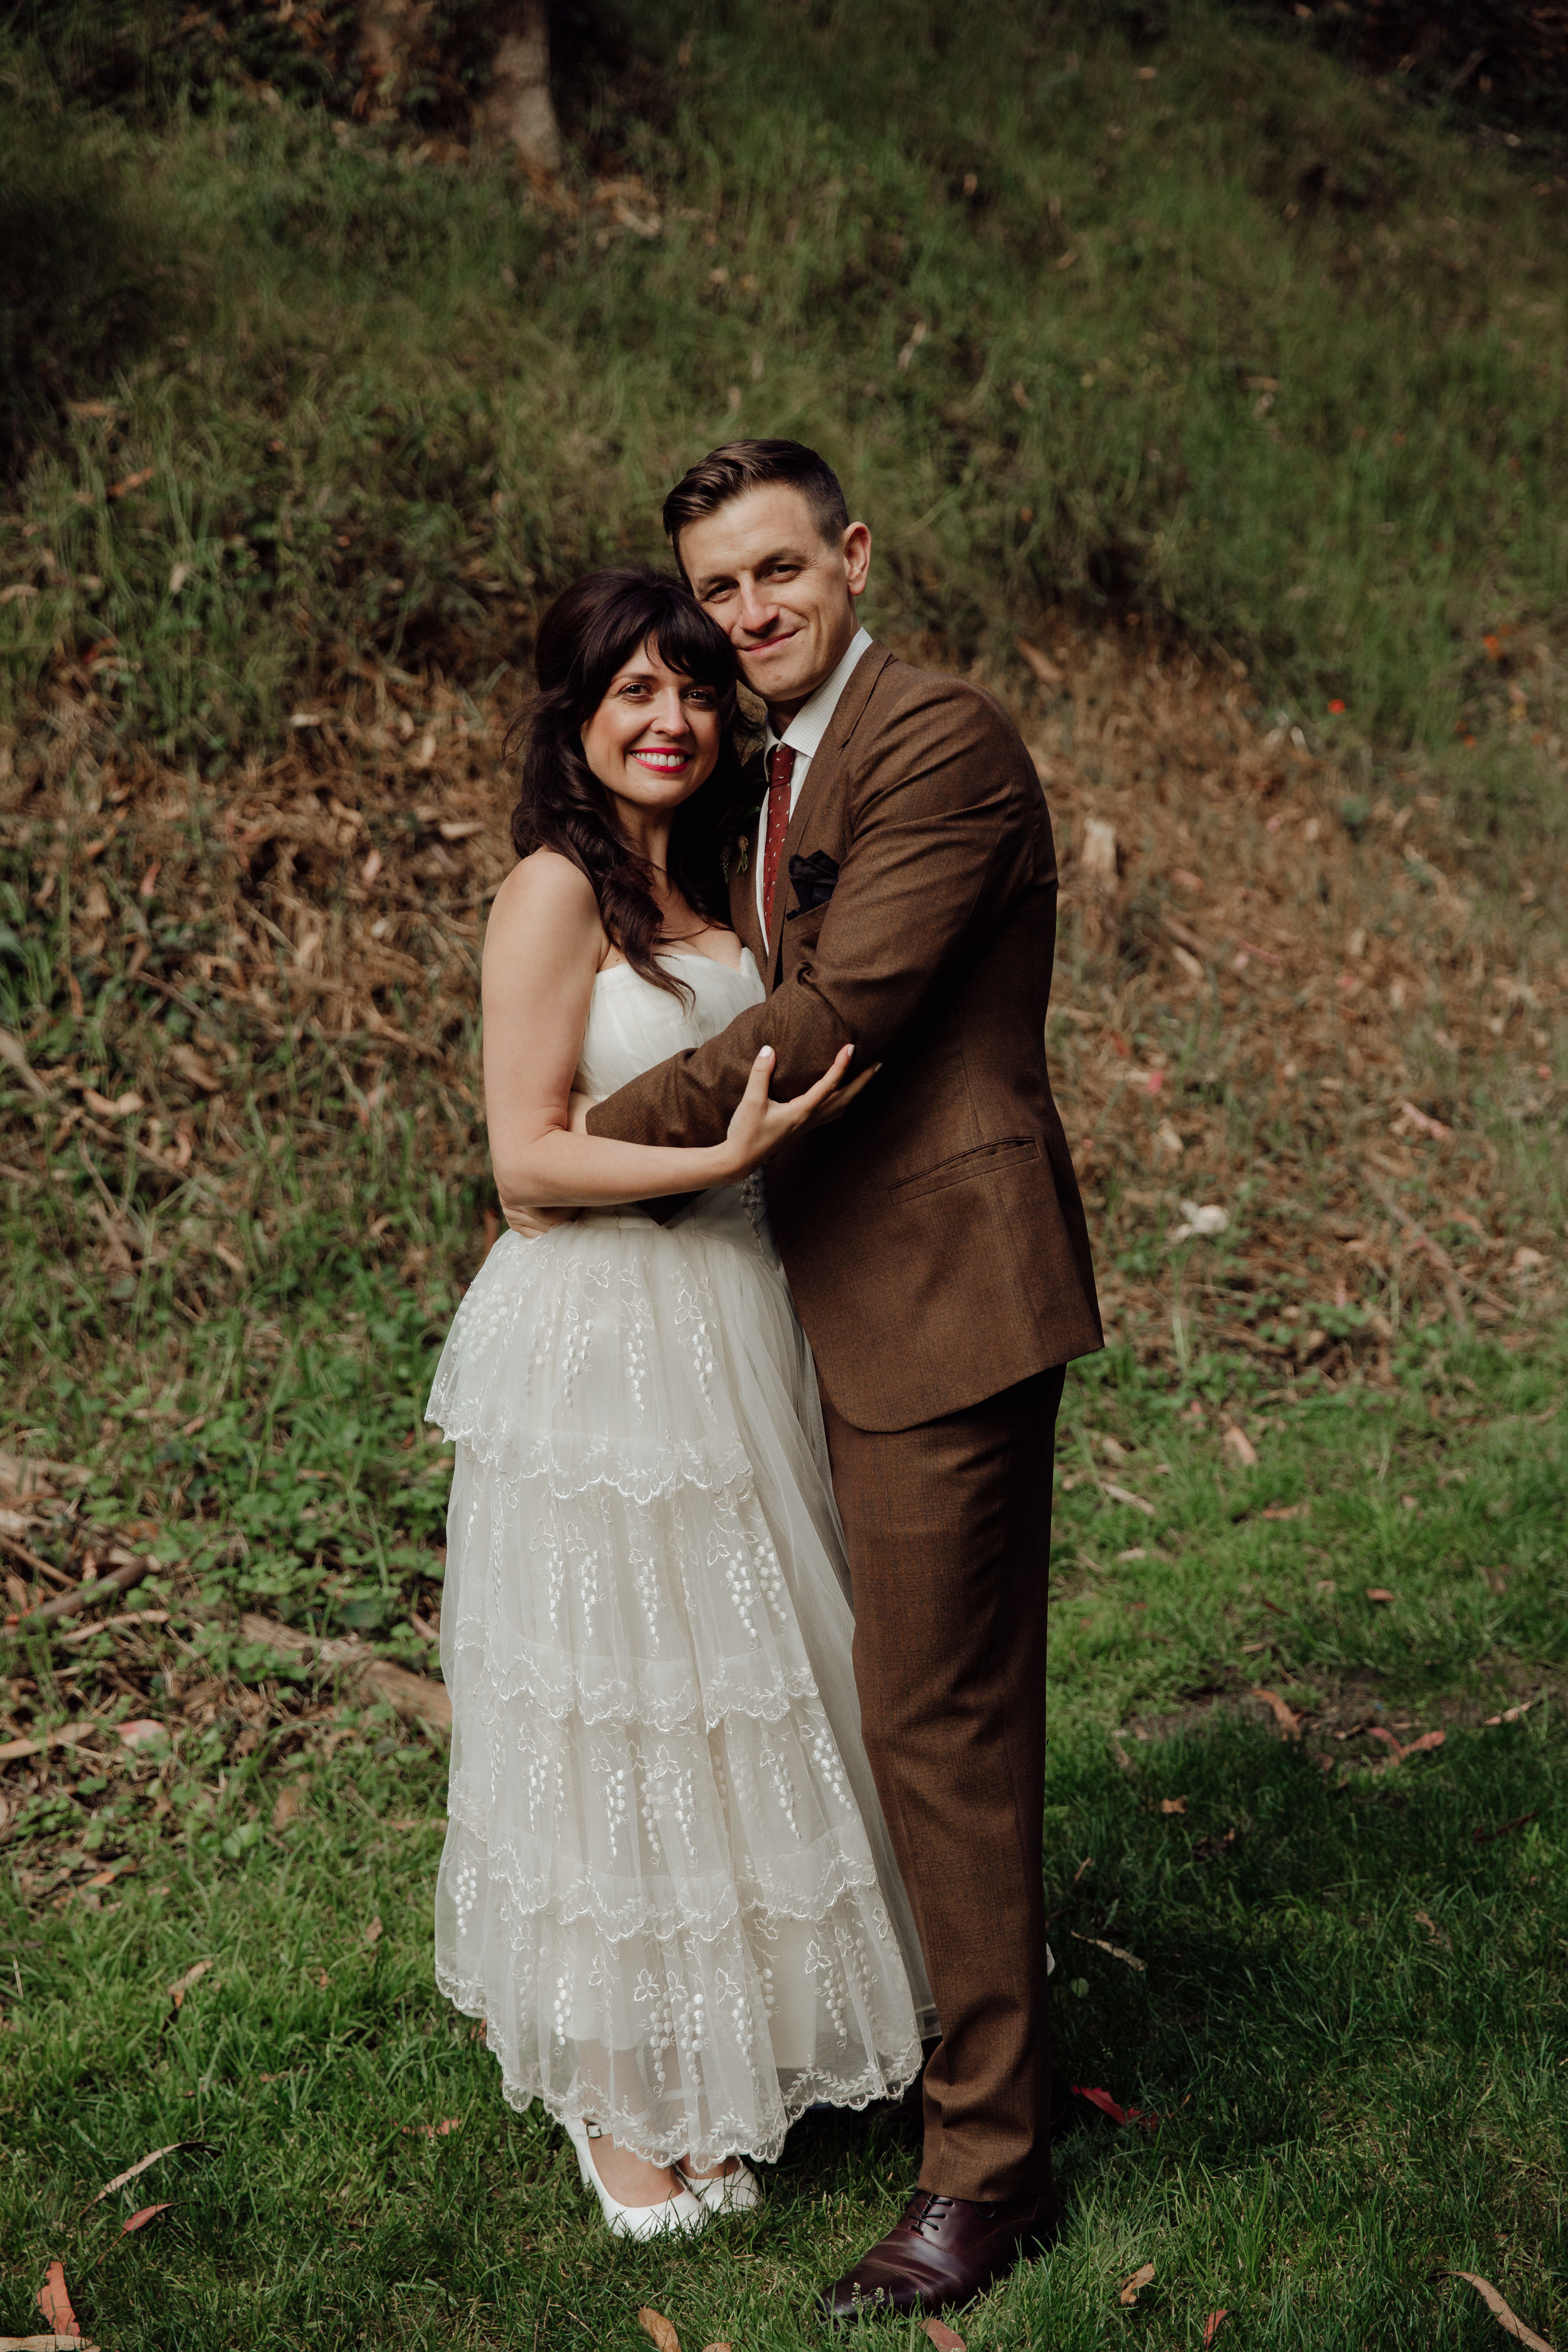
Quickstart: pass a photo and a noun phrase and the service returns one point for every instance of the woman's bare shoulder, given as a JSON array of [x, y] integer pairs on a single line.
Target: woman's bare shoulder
[[545, 894]]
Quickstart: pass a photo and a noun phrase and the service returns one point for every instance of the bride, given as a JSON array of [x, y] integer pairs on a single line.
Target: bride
[[665, 1885]]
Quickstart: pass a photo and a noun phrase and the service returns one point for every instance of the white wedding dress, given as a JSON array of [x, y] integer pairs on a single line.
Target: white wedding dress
[[667, 1885]]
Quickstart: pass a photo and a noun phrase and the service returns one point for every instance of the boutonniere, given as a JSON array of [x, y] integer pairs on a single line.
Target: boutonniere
[[740, 837]]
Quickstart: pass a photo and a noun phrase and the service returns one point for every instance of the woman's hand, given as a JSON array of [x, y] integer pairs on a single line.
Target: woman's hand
[[531, 1223], [759, 1126]]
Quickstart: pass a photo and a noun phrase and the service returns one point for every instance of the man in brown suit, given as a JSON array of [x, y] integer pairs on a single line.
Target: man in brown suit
[[898, 889]]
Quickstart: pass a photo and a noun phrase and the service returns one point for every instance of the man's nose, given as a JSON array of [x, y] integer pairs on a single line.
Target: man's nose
[[759, 611]]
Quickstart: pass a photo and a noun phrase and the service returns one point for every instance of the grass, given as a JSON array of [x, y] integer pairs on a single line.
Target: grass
[[384, 400], [1200, 323], [1355, 2099]]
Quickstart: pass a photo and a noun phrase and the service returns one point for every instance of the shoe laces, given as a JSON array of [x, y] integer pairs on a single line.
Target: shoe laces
[[927, 2212]]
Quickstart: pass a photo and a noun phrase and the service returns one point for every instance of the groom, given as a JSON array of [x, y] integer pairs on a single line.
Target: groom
[[897, 889]]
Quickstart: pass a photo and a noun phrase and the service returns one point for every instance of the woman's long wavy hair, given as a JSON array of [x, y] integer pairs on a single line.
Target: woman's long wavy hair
[[585, 638]]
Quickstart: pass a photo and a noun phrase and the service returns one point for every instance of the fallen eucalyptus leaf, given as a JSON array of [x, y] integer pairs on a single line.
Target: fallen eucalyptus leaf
[[1509, 2321], [1140, 2278]]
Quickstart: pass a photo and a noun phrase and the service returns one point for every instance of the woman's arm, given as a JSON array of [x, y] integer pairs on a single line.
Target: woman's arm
[[543, 949]]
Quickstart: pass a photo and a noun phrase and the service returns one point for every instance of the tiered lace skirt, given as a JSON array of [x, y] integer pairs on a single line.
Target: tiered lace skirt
[[666, 1884]]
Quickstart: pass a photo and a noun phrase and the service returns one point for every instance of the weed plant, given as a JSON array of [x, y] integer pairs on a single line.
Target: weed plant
[[1206, 325]]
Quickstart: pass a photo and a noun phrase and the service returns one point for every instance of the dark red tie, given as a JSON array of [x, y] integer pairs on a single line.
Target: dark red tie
[[781, 770]]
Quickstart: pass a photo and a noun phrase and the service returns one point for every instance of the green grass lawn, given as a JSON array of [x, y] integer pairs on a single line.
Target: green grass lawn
[[1350, 2020], [1126, 308], [1151, 307]]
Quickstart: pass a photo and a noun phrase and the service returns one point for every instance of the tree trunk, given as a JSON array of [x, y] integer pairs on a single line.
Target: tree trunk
[[517, 106]]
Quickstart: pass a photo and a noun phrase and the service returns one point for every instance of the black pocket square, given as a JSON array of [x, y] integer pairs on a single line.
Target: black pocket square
[[813, 880]]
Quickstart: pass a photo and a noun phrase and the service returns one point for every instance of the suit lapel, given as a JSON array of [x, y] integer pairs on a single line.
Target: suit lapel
[[822, 779], [743, 886]]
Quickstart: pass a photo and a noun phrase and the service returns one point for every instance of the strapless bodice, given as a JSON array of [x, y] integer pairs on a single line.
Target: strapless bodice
[[633, 1025]]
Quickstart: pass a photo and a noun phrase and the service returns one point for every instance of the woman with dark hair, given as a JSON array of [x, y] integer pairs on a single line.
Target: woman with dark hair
[[667, 1886]]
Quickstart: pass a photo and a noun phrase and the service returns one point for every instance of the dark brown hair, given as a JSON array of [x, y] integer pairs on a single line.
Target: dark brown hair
[[724, 473], [583, 640]]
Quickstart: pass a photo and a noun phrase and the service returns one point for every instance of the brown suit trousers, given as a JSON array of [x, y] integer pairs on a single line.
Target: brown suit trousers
[[948, 1531], [935, 1244]]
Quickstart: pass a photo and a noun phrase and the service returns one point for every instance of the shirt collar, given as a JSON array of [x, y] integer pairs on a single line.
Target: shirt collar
[[807, 729]]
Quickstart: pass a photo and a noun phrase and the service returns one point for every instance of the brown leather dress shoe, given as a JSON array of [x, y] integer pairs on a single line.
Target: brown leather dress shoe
[[944, 2251]]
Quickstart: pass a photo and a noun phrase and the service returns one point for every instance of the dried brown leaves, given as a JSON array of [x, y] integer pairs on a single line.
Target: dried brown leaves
[[1250, 985]]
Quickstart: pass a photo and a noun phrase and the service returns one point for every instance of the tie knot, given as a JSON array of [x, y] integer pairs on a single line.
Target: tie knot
[[781, 765]]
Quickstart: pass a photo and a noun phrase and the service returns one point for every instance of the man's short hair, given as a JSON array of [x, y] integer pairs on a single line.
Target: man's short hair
[[741, 466]]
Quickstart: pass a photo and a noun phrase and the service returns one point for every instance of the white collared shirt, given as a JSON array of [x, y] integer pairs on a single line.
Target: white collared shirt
[[804, 736]]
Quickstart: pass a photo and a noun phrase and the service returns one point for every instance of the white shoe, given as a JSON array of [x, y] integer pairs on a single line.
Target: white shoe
[[681, 2211], [724, 2192]]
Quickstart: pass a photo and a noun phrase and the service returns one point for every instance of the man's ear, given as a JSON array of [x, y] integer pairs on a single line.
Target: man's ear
[[857, 557]]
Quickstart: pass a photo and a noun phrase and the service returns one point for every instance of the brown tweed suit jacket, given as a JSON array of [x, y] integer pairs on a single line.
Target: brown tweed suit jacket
[[933, 1236]]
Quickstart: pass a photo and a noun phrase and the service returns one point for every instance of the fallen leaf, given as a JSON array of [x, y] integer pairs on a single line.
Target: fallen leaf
[[1511, 1713], [1242, 1446], [1289, 1721], [285, 1808], [1422, 1124], [1115, 1950], [193, 1976], [55, 2302], [1286, 1511], [201, 1074], [1425, 1920], [1378, 1592], [140, 2221], [43, 2343], [660, 2328], [121, 490], [1212, 2326], [1121, 1495], [433, 2131], [1140, 2278], [725, 2347], [942, 2337], [123, 1105], [115, 1870], [67, 1736], [372, 1933], [144, 2164], [1200, 1223], [1109, 2106], [1485, 1837], [1428, 1739], [1172, 1804], [138, 1734], [460, 828], [178, 575], [1509, 2321], [371, 867], [1044, 668]]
